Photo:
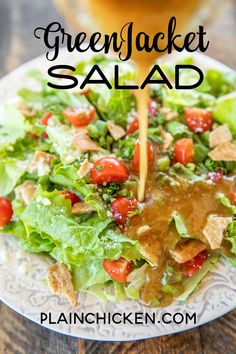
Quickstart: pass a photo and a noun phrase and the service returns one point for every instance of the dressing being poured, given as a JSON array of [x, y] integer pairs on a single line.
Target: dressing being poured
[[151, 16]]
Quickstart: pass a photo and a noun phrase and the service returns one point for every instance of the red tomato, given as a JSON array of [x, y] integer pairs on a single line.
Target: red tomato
[[133, 126], [136, 159], [44, 135], [192, 266], [32, 135], [72, 196], [152, 108], [108, 169], [79, 116], [233, 198], [198, 120], [118, 269], [215, 177], [6, 211], [184, 151], [120, 209], [44, 120]]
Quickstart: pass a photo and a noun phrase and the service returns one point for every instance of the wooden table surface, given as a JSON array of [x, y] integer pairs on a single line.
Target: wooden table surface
[[18, 18]]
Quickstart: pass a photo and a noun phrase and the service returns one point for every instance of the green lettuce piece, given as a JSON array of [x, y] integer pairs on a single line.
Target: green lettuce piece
[[200, 152], [136, 281], [50, 100], [113, 291], [219, 83], [232, 236], [12, 126], [177, 129], [186, 172], [72, 242], [66, 175], [61, 137], [89, 273], [224, 111], [231, 259], [50, 213], [191, 284], [179, 224], [226, 202], [11, 171], [115, 105], [126, 147], [116, 244], [37, 242], [177, 100], [109, 291]]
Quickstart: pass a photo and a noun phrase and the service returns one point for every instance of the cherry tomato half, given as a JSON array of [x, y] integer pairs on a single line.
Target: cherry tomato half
[[6, 211], [44, 120], [79, 117], [120, 209], [108, 169], [136, 160], [133, 126], [118, 269], [198, 120], [71, 196], [192, 266], [184, 151]]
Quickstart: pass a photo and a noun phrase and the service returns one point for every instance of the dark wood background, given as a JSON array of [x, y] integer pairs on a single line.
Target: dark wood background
[[18, 18]]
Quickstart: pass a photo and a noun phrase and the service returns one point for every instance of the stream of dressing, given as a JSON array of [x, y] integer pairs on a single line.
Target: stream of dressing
[[142, 103]]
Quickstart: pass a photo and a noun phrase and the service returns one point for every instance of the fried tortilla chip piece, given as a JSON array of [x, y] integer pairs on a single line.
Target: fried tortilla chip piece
[[25, 109], [60, 282], [25, 191], [84, 168], [224, 152], [220, 135], [83, 142], [168, 139], [143, 230], [115, 130], [187, 250], [40, 163], [168, 114], [214, 230], [81, 208]]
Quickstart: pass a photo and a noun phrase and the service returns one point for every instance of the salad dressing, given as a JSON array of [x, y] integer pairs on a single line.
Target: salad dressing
[[199, 201], [150, 17]]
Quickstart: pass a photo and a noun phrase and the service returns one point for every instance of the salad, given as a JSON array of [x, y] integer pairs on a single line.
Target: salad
[[69, 171]]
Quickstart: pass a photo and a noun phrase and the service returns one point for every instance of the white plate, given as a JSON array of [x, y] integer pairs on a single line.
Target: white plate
[[27, 293]]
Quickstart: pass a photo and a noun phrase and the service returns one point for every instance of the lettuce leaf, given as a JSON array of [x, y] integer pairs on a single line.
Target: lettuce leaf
[[11, 171], [61, 137], [12, 126], [49, 227], [115, 105], [219, 83], [89, 273], [232, 236], [191, 284], [225, 111], [177, 100], [50, 213], [66, 175], [136, 281], [179, 224], [226, 202]]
